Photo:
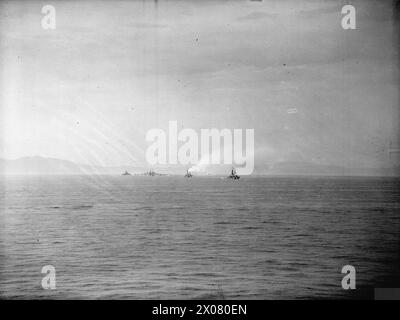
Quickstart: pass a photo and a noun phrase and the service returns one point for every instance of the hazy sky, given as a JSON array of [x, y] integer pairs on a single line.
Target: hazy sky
[[89, 90]]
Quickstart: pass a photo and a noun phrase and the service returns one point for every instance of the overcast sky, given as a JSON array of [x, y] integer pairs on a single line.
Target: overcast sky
[[89, 90]]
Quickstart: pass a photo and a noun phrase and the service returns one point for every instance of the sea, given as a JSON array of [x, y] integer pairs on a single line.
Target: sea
[[170, 237]]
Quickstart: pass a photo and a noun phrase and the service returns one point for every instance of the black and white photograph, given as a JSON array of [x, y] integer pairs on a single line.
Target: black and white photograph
[[199, 150]]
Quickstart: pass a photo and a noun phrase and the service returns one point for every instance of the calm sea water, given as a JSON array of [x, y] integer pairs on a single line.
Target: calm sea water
[[169, 237]]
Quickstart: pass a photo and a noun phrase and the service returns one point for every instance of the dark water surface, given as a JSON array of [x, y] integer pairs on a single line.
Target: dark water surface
[[169, 237]]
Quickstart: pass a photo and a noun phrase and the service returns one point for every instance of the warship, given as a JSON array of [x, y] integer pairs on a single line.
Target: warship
[[151, 173], [233, 175], [188, 174]]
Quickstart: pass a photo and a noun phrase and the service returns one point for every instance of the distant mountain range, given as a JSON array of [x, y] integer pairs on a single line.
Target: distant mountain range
[[312, 169], [41, 165], [51, 166]]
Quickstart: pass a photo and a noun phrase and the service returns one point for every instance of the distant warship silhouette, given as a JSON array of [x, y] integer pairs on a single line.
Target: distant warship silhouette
[[126, 173], [233, 175], [188, 174], [151, 173]]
